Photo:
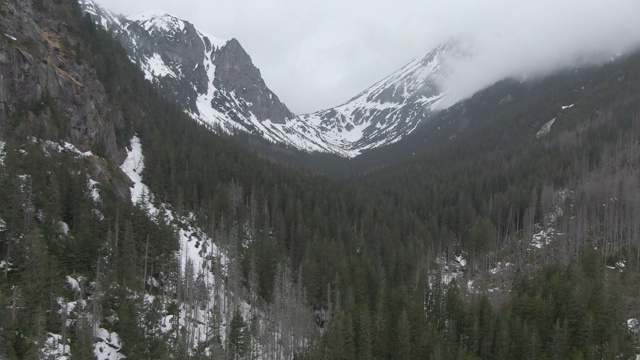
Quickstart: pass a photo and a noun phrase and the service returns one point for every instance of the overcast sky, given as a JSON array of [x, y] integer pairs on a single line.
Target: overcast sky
[[318, 54]]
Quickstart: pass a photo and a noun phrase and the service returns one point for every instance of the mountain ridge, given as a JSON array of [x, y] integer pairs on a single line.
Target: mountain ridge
[[196, 69]]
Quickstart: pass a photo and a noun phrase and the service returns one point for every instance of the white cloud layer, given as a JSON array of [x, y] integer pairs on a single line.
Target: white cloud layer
[[318, 54]]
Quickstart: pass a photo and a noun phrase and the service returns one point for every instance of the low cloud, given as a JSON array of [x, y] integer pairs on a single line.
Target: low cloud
[[532, 46], [318, 54]]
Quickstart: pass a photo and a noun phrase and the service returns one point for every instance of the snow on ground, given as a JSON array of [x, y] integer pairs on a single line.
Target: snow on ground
[[619, 265], [544, 130], [192, 250], [155, 20], [108, 19], [154, 67], [191, 237], [63, 146], [500, 267], [93, 187], [55, 349], [542, 238], [107, 346], [6, 266], [59, 146], [133, 166], [470, 285], [3, 153], [75, 285], [64, 227], [451, 269], [11, 37], [3, 225], [567, 107], [215, 41]]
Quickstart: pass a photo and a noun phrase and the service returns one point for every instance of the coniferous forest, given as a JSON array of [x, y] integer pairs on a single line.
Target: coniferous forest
[[477, 237]]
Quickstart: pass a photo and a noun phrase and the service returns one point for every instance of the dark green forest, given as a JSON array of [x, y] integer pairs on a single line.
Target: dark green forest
[[334, 267]]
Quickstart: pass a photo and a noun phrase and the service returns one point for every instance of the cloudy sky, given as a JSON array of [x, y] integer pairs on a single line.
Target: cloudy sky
[[318, 54]]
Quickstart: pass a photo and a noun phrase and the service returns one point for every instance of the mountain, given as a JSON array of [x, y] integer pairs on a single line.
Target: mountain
[[393, 107], [216, 82], [128, 230]]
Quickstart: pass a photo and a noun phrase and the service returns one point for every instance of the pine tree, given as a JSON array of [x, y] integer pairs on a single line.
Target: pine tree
[[238, 337]]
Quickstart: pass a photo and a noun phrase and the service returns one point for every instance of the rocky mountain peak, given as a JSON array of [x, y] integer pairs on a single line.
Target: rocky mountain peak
[[393, 107], [236, 73], [214, 80], [158, 21]]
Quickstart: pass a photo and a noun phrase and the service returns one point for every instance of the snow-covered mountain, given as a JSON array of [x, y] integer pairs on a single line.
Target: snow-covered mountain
[[213, 79], [393, 107], [216, 82]]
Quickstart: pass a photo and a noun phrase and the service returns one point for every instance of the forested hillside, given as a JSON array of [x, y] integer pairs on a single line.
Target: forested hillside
[[142, 235]]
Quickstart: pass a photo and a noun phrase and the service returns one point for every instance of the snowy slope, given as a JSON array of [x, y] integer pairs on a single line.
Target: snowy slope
[[201, 259], [393, 107]]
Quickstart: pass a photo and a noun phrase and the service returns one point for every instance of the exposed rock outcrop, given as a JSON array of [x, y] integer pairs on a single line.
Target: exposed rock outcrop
[[45, 90]]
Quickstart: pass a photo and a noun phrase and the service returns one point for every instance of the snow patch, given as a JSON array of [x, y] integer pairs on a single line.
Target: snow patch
[[3, 153], [633, 325], [93, 187], [451, 269], [6, 266], [11, 37], [107, 346], [567, 107], [132, 167], [55, 349], [64, 227], [61, 146], [198, 255], [544, 130], [155, 20], [500, 267], [542, 238], [154, 67], [75, 285]]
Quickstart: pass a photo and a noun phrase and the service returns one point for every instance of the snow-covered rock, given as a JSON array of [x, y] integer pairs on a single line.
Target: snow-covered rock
[[107, 346]]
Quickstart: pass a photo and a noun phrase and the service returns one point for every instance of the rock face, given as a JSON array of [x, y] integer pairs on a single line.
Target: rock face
[[236, 73], [216, 82], [44, 88]]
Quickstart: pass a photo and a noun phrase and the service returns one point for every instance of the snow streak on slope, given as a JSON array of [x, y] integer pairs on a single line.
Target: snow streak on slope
[[208, 270], [544, 130], [197, 255], [191, 238], [3, 153]]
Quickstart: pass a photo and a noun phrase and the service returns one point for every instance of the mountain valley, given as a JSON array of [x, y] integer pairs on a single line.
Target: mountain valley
[[150, 209]]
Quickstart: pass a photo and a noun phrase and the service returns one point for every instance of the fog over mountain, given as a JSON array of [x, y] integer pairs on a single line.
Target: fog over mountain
[[319, 54]]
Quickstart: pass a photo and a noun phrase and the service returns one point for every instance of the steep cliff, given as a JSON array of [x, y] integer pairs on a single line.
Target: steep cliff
[[45, 90]]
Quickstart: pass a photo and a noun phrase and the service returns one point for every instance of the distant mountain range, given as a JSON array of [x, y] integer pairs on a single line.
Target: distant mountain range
[[216, 82]]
